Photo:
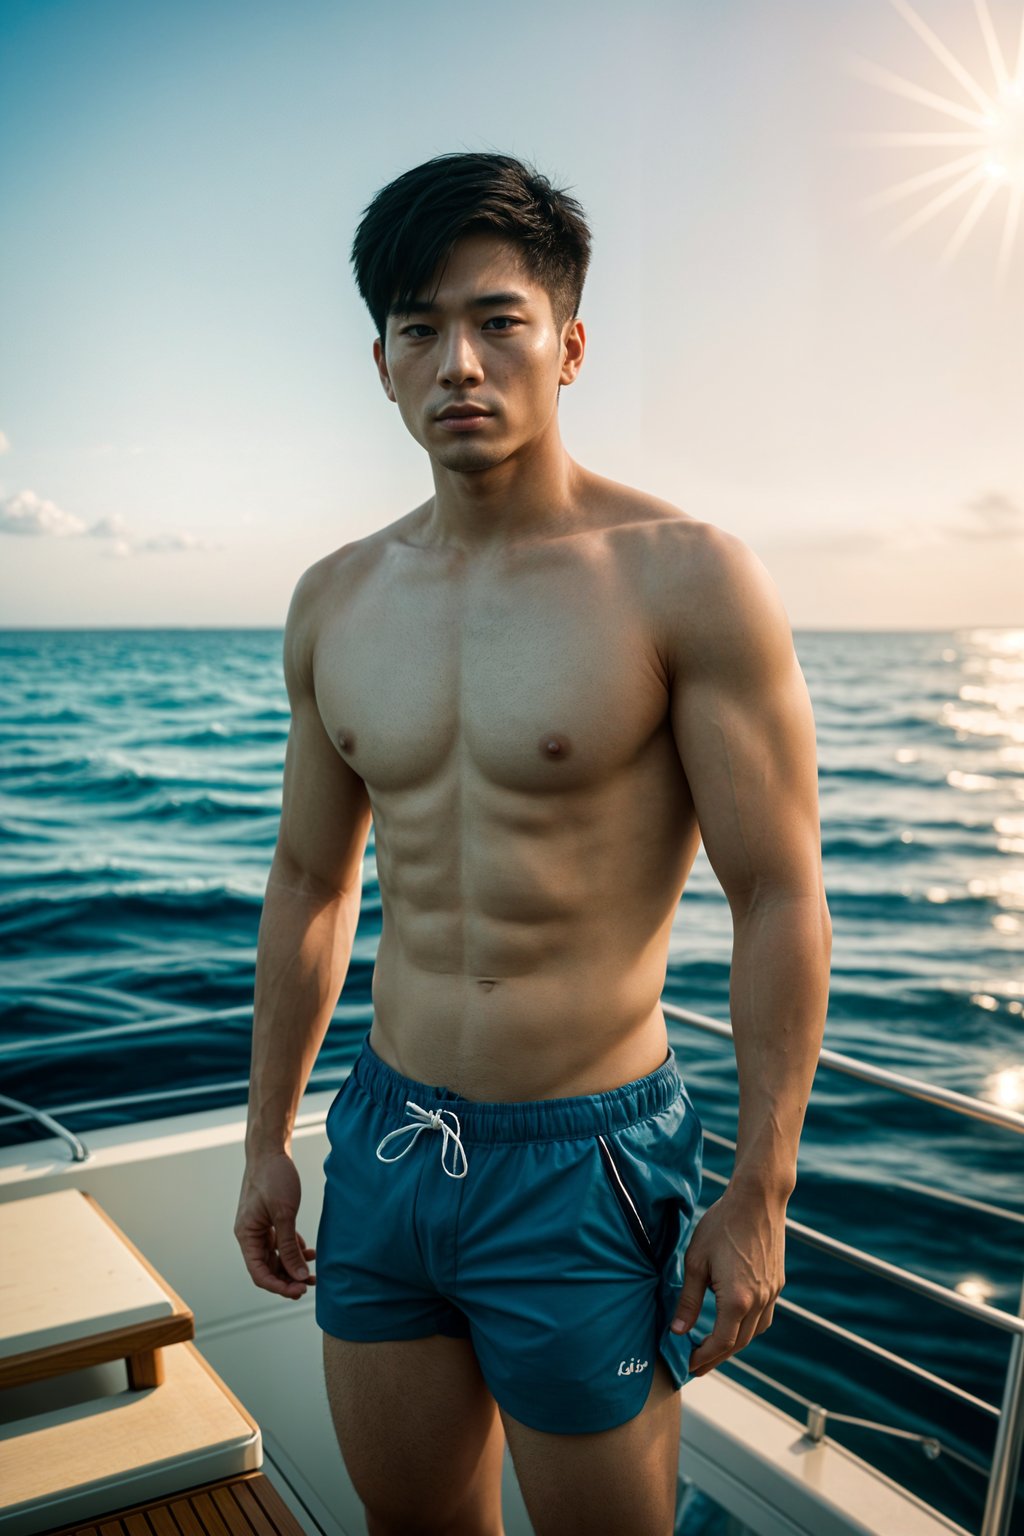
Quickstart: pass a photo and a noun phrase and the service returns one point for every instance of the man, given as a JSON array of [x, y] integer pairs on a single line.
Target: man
[[545, 687]]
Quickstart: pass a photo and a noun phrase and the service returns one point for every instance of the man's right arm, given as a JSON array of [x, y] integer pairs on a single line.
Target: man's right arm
[[311, 906], [306, 931]]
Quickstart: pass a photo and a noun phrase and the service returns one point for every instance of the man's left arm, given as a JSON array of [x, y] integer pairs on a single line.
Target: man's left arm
[[743, 726]]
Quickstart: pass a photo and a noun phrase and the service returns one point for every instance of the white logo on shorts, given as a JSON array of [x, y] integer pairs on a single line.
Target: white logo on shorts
[[633, 1368]]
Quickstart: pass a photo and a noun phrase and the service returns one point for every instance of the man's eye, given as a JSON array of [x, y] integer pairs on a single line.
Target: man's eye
[[505, 321]]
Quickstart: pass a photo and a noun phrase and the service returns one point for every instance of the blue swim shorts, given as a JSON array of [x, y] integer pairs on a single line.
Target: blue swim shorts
[[550, 1232]]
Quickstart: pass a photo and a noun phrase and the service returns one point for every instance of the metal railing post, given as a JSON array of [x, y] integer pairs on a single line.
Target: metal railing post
[[1002, 1482]]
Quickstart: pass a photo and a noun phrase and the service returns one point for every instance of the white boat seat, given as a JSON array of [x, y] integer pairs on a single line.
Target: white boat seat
[[78, 1292]]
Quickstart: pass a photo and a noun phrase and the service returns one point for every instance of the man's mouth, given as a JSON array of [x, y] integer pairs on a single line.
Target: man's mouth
[[461, 423]]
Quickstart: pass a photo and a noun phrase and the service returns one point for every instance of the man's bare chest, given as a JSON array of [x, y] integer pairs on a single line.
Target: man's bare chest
[[547, 682]]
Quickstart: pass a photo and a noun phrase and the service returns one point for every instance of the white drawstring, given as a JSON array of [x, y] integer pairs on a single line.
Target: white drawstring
[[429, 1119]]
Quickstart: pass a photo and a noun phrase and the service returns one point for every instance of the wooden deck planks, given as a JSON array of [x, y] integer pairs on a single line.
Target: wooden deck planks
[[248, 1505]]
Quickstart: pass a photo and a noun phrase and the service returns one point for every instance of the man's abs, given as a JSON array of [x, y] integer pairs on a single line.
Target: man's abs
[[523, 1038]]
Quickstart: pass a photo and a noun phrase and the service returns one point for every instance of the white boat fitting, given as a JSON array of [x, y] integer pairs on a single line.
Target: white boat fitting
[[255, 1369]]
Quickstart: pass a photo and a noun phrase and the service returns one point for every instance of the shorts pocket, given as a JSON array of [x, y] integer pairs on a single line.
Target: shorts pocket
[[330, 1119], [626, 1203]]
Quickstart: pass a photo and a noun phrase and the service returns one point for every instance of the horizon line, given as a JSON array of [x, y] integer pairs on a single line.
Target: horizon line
[[809, 629]]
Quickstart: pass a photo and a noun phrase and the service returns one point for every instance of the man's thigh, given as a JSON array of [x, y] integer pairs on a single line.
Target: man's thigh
[[607, 1483], [419, 1433]]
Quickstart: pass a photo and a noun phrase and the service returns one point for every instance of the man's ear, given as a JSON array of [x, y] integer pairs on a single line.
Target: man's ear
[[382, 369]]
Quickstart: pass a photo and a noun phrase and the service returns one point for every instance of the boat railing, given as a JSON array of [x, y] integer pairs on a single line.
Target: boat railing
[[79, 1151], [1009, 1416]]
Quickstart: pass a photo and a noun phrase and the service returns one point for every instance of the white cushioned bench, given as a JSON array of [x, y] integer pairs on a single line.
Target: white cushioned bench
[[104, 1399]]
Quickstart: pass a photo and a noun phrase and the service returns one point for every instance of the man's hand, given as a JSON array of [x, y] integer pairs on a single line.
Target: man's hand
[[275, 1254], [738, 1248]]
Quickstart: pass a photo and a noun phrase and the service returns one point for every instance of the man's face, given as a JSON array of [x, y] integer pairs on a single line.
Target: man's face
[[504, 355]]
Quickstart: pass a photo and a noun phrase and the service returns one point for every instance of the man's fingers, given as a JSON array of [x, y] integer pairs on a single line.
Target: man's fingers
[[288, 1246], [688, 1310], [718, 1346], [735, 1333], [274, 1252], [266, 1279], [307, 1253], [691, 1299], [723, 1340], [263, 1261]]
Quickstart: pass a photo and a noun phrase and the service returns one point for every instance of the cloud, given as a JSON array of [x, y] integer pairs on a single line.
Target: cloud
[[179, 540], [5, 443], [992, 516], [111, 527], [26, 513]]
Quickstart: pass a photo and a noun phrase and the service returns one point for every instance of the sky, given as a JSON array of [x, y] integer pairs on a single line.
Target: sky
[[800, 327]]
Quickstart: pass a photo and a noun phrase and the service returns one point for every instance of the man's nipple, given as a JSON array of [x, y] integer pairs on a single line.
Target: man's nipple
[[554, 745], [346, 741]]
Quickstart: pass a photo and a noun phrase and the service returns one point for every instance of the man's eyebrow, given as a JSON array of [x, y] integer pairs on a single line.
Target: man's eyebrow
[[483, 301]]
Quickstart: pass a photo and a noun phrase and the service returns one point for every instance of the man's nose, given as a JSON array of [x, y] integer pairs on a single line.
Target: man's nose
[[458, 360]]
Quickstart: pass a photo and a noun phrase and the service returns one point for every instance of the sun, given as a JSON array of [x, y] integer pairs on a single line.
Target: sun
[[1006, 136], [992, 135]]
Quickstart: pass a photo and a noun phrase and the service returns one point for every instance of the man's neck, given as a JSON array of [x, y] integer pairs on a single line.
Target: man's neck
[[533, 496]]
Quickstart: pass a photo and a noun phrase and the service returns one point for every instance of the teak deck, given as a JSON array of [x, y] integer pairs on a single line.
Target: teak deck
[[247, 1505]]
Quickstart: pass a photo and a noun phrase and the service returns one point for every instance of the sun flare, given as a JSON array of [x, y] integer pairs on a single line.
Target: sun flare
[[992, 136]]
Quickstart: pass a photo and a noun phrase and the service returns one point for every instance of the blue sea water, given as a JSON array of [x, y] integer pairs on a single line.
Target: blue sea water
[[140, 789]]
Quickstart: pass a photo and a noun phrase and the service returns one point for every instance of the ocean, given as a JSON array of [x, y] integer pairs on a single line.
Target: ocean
[[140, 790]]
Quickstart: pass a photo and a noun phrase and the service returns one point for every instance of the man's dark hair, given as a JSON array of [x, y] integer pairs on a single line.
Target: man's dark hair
[[413, 223]]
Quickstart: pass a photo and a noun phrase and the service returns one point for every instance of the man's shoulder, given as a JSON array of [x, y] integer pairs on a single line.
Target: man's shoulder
[[711, 598], [325, 588], [685, 554], [338, 574]]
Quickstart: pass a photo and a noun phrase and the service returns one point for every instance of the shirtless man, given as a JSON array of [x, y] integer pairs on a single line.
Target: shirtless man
[[545, 687]]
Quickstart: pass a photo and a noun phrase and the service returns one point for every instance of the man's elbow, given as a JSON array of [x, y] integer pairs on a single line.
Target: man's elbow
[[343, 884], [777, 900]]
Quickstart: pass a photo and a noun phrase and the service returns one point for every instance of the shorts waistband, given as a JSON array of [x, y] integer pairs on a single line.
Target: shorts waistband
[[515, 1120]]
